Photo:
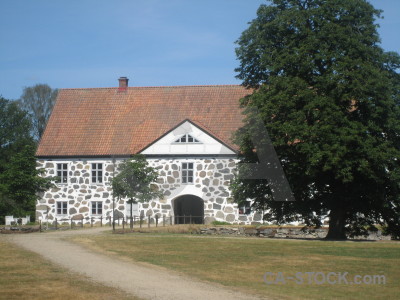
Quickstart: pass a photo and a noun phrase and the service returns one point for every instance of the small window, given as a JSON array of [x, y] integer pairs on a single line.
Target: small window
[[62, 173], [134, 207], [97, 208], [62, 207], [245, 208], [187, 172], [97, 173], [187, 138]]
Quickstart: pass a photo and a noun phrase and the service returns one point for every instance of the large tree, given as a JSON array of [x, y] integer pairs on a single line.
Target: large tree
[[38, 101], [15, 128], [328, 96], [19, 180], [14, 133], [21, 183]]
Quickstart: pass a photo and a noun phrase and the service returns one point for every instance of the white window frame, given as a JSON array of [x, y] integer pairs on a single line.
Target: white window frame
[[187, 136], [94, 205], [245, 208], [135, 209], [97, 171], [62, 170], [62, 208], [183, 170]]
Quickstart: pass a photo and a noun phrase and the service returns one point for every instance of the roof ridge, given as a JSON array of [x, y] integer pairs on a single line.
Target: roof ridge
[[155, 87]]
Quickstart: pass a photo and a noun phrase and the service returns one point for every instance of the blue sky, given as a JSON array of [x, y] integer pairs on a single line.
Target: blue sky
[[90, 43]]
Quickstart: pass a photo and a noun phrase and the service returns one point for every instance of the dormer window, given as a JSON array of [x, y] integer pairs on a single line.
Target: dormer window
[[187, 139]]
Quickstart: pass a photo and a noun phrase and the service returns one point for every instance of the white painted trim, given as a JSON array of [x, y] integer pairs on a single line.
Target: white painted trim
[[187, 137], [68, 172], [102, 162], [193, 170], [166, 145], [91, 206], [56, 208]]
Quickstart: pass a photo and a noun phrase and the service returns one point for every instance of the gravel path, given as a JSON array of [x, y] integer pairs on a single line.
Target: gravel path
[[143, 282]]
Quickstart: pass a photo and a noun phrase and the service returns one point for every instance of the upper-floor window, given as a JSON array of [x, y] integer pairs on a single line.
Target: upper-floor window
[[187, 138], [62, 172], [187, 172], [97, 173]]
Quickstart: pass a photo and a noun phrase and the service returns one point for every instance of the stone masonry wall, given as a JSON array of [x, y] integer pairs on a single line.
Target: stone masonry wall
[[79, 191], [211, 183]]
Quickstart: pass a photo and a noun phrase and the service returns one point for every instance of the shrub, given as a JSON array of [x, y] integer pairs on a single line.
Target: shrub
[[215, 223]]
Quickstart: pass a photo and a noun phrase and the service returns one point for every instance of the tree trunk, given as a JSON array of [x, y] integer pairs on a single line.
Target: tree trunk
[[131, 202], [337, 223]]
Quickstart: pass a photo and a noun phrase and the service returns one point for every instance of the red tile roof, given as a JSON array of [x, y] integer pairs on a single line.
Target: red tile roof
[[105, 121]]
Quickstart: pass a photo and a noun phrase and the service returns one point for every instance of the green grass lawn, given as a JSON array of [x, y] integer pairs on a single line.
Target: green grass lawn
[[242, 262], [25, 275]]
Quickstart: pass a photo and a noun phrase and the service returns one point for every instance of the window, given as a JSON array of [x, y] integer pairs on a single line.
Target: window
[[62, 172], [97, 173], [245, 208], [187, 172], [187, 138], [62, 207], [134, 207], [97, 208]]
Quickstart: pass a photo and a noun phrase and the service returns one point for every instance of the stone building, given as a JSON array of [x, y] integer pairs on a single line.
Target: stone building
[[184, 131]]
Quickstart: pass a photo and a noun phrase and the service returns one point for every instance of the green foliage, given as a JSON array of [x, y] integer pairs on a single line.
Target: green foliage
[[21, 182], [14, 130], [329, 98], [134, 180], [216, 223], [14, 134]]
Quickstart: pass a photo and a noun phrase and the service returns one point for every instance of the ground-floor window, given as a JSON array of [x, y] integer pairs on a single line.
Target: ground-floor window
[[134, 207], [62, 207], [245, 208], [97, 208]]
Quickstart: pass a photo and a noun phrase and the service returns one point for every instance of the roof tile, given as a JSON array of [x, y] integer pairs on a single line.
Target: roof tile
[[105, 121]]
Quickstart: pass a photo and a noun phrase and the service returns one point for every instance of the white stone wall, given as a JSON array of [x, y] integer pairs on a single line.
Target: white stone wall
[[12, 219], [212, 176]]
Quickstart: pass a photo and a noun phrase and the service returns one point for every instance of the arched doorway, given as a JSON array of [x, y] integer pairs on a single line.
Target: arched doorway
[[188, 209]]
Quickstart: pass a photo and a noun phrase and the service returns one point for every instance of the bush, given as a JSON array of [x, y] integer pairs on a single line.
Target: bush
[[215, 223]]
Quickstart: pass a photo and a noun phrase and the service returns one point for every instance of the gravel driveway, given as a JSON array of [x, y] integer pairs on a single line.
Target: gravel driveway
[[143, 282]]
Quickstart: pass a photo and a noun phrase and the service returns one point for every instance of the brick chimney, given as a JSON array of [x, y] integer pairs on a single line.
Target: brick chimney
[[123, 83]]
